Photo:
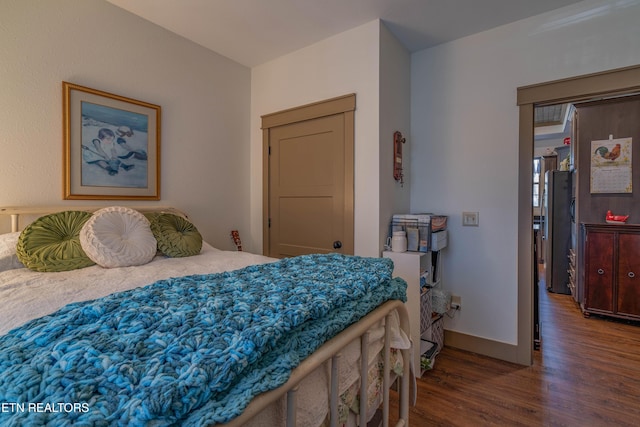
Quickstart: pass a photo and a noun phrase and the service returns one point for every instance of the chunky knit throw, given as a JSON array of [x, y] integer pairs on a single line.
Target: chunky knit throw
[[192, 350]]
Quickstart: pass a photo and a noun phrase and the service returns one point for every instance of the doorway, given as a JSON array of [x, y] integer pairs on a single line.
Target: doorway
[[308, 179], [609, 83]]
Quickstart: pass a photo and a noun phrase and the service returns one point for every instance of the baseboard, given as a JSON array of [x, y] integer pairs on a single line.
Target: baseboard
[[484, 346]]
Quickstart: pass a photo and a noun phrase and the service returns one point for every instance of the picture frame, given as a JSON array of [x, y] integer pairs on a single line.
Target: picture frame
[[111, 146]]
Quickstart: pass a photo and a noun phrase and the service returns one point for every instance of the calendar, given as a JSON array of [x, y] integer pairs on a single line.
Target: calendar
[[611, 170]]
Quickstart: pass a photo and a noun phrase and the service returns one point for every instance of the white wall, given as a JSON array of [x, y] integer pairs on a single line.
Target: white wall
[[395, 115], [343, 64], [465, 126], [204, 98], [370, 62]]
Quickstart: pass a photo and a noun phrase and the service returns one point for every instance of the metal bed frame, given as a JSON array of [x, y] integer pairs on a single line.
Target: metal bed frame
[[331, 350]]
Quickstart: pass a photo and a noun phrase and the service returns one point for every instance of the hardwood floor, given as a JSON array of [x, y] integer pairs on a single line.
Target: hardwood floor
[[587, 373]]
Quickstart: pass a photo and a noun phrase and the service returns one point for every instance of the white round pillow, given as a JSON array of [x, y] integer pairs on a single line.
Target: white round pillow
[[118, 237]]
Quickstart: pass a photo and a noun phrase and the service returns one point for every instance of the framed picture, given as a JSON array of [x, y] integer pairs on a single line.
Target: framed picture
[[111, 146]]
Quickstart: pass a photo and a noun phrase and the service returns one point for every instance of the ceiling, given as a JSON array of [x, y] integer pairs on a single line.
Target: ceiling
[[253, 32], [552, 121]]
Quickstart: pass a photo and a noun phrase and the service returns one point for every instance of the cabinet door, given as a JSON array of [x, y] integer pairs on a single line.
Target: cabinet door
[[629, 274], [599, 271]]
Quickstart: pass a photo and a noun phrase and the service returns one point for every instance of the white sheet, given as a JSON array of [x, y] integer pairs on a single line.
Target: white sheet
[[26, 294]]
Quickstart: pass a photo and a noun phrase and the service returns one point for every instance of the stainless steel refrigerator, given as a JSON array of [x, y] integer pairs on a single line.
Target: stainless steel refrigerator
[[557, 229]]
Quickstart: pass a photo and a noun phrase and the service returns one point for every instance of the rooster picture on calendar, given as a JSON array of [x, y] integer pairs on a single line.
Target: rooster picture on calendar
[[611, 166], [607, 154]]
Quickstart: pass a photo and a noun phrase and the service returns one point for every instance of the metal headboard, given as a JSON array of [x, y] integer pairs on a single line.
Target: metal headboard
[[17, 212]]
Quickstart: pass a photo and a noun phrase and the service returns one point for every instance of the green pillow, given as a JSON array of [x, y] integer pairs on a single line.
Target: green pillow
[[52, 243], [176, 236]]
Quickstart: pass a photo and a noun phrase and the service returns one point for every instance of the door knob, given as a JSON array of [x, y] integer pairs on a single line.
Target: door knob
[[337, 244]]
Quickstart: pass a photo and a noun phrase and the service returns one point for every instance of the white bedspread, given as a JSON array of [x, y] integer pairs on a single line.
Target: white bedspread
[[26, 294]]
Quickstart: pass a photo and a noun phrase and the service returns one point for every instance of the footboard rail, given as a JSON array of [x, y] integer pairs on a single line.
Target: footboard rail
[[331, 350]]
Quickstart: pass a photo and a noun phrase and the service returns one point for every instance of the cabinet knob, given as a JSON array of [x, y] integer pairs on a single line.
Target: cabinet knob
[[600, 271], [337, 244], [631, 274]]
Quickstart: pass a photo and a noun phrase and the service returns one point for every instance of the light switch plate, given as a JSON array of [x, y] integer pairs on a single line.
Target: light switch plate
[[470, 219]]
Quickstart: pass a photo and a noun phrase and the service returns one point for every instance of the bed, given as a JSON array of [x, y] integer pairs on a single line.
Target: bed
[[189, 334]]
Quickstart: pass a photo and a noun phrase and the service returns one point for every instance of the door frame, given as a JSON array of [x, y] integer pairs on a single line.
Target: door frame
[[345, 105], [608, 83]]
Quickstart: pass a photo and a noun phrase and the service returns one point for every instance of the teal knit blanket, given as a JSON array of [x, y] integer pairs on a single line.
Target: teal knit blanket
[[188, 351]]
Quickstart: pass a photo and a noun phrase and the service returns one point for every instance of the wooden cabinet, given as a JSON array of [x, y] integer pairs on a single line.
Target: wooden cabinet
[[612, 270]]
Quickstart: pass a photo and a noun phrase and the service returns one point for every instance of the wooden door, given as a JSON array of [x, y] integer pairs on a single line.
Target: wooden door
[[599, 272], [629, 274], [309, 181]]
